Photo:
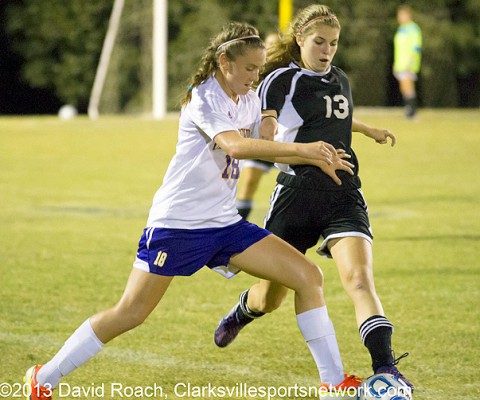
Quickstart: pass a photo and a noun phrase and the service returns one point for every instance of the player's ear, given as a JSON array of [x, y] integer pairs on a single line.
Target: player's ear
[[299, 40], [223, 60]]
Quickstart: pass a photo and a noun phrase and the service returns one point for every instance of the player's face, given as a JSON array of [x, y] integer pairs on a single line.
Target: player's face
[[319, 47], [403, 17], [241, 73]]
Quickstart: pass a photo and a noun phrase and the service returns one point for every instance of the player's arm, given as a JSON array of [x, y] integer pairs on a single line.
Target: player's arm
[[243, 148], [319, 154], [267, 131], [379, 135], [268, 125]]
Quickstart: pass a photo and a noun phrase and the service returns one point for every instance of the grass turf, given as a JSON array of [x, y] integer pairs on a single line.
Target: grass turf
[[75, 197]]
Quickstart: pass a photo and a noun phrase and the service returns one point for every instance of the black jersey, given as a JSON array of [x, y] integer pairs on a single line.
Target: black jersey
[[311, 106]]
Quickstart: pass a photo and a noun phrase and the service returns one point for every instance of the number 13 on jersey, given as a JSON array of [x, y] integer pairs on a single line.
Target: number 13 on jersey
[[338, 105]]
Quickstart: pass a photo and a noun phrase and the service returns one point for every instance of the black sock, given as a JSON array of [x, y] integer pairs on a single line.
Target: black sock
[[376, 334], [410, 106], [244, 314]]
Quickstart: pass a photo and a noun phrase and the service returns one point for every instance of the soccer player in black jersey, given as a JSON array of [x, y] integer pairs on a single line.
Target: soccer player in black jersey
[[305, 98]]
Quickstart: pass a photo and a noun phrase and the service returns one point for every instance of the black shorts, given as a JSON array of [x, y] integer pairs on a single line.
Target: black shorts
[[302, 217]]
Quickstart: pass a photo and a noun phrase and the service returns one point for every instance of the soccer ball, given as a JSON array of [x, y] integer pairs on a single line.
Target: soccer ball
[[67, 112], [384, 387]]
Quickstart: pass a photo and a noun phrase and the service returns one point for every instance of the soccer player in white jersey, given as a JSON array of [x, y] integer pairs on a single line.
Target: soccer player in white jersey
[[310, 99], [193, 221]]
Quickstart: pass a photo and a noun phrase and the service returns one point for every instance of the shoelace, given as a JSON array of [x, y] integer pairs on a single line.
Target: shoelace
[[397, 360]]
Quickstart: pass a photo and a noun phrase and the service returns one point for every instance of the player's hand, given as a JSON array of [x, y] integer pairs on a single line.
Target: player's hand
[[337, 164], [381, 136], [320, 151], [342, 153]]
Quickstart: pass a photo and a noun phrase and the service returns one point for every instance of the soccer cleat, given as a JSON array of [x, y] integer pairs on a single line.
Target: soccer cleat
[[232, 323], [34, 390], [393, 370], [347, 389], [229, 327]]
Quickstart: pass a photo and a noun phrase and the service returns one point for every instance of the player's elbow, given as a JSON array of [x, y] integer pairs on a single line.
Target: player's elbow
[[233, 144], [238, 154], [237, 150]]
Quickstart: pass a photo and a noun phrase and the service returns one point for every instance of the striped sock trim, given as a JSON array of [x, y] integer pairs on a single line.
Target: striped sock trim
[[244, 307], [373, 323]]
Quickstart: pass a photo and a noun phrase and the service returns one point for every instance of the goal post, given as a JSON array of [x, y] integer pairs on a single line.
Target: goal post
[[160, 43], [105, 56], [158, 61], [158, 52], [285, 12]]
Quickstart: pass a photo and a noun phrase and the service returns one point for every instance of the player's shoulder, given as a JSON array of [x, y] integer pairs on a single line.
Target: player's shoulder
[[280, 78], [252, 96], [338, 71], [339, 75], [416, 29], [281, 74], [208, 93], [208, 88]]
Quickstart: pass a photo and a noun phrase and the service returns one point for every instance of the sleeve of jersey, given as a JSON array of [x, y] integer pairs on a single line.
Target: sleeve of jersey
[[210, 114], [345, 82], [274, 88]]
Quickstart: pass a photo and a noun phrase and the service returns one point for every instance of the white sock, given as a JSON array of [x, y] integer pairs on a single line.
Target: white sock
[[317, 330], [77, 350]]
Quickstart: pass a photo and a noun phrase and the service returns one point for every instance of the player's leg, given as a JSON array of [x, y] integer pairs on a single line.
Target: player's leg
[[409, 95], [263, 297], [353, 257], [250, 178], [288, 220], [273, 259], [142, 293], [354, 260], [266, 296]]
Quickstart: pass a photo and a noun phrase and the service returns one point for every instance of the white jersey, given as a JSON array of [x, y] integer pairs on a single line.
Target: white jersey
[[200, 186]]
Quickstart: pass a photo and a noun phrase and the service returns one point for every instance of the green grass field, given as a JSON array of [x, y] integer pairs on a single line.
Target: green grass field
[[74, 199]]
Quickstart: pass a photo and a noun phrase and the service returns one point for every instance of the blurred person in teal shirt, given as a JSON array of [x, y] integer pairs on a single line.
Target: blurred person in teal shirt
[[407, 57]]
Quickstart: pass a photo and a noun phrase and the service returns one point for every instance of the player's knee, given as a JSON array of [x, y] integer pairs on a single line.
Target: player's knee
[[359, 280], [311, 276]]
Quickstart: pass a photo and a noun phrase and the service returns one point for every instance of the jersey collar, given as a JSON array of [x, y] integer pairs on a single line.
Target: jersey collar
[[310, 72]]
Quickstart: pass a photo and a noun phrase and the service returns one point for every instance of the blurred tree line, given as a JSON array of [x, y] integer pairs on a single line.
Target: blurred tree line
[[59, 45]]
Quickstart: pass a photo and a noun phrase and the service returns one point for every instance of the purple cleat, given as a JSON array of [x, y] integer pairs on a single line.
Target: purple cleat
[[393, 370], [232, 323], [228, 328]]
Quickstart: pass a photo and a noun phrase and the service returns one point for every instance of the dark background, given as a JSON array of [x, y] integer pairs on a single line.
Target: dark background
[[16, 95], [50, 50]]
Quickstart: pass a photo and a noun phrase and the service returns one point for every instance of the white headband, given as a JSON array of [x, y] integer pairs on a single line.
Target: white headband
[[240, 38]]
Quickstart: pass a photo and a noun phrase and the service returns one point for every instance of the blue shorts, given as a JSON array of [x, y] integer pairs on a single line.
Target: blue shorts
[[172, 252]]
